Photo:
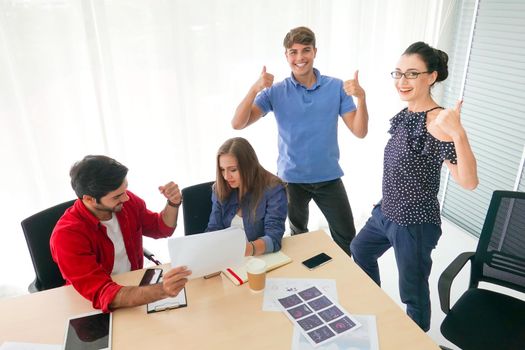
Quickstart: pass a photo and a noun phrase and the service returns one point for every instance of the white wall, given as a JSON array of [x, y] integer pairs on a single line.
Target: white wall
[[155, 83]]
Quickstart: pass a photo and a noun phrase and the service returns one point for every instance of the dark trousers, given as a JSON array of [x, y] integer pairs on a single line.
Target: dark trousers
[[331, 198], [412, 247]]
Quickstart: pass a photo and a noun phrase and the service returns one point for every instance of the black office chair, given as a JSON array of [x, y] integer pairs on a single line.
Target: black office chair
[[481, 318], [196, 207], [37, 231]]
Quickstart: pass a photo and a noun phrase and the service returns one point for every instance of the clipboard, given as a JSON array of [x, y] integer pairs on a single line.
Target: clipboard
[[168, 303], [154, 276]]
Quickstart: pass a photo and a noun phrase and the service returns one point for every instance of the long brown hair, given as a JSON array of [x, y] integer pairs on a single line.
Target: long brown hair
[[254, 178]]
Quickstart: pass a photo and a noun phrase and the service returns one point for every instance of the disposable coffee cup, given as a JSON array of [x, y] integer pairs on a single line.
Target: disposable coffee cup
[[256, 269]]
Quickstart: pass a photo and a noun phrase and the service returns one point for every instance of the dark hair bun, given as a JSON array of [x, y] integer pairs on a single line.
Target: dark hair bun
[[443, 65], [435, 60]]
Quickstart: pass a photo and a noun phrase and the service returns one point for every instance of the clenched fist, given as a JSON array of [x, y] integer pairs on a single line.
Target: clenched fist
[[171, 192]]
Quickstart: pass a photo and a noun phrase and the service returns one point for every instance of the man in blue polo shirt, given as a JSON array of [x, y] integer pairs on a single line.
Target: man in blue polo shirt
[[307, 106]]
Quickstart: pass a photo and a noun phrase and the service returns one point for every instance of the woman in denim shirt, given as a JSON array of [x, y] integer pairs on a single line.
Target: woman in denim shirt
[[248, 196]]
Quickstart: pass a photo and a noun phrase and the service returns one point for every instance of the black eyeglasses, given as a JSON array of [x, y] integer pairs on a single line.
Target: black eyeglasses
[[408, 75]]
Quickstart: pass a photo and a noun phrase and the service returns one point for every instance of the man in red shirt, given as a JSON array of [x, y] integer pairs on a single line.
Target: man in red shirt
[[101, 235]]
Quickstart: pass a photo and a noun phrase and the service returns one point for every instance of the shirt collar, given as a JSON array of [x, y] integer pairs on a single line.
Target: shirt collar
[[86, 214], [234, 197], [316, 84]]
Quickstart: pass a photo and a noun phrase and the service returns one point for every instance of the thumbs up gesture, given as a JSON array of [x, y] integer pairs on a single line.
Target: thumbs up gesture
[[265, 80], [449, 121], [352, 87]]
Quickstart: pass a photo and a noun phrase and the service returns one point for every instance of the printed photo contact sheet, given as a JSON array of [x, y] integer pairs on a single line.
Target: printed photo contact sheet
[[318, 317]]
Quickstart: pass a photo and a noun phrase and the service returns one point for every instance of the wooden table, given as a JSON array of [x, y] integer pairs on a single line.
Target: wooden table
[[219, 315]]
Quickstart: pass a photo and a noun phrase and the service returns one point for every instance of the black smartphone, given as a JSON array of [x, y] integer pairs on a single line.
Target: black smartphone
[[151, 276], [318, 260]]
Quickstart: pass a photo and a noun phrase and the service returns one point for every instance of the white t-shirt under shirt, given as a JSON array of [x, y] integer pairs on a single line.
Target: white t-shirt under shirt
[[121, 263], [237, 222]]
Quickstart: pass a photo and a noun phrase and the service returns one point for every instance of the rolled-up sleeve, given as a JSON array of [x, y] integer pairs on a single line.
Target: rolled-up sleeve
[[275, 218], [152, 223], [78, 264]]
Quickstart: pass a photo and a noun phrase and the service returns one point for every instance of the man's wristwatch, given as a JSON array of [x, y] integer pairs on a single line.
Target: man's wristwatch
[[171, 204]]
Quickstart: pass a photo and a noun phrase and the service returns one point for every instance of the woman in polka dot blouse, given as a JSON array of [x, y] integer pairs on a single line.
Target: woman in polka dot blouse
[[423, 137]]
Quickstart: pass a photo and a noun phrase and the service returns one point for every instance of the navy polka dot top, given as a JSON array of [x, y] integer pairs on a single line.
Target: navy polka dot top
[[412, 169]]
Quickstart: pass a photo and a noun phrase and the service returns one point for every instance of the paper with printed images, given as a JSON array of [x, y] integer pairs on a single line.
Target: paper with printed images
[[319, 318], [364, 338], [281, 287]]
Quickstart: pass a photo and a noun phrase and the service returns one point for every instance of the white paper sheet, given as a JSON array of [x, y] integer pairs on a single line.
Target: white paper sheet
[[280, 287], [364, 338], [209, 252], [28, 346]]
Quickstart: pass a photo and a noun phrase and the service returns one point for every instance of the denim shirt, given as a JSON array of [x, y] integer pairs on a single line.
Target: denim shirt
[[270, 216]]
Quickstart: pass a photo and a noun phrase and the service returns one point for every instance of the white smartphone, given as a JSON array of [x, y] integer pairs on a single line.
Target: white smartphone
[[91, 331], [317, 260]]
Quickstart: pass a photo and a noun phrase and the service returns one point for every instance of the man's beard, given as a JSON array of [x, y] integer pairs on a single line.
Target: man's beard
[[115, 209]]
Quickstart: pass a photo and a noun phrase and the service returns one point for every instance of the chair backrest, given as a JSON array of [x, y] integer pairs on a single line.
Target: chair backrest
[[37, 231], [500, 255], [196, 207]]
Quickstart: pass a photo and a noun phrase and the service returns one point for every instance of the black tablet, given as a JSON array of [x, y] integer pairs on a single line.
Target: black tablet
[[90, 331]]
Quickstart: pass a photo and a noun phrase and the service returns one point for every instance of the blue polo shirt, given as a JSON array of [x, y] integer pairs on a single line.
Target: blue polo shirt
[[307, 120]]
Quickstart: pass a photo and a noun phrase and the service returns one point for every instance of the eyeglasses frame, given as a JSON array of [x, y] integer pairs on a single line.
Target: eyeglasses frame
[[405, 74]]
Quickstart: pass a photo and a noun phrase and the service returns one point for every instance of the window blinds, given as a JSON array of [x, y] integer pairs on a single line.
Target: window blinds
[[494, 110]]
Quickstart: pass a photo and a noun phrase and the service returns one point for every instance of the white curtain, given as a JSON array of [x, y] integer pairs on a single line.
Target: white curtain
[[154, 84]]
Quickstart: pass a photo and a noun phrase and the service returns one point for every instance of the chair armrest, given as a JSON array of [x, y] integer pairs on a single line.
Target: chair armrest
[[447, 276], [150, 256]]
